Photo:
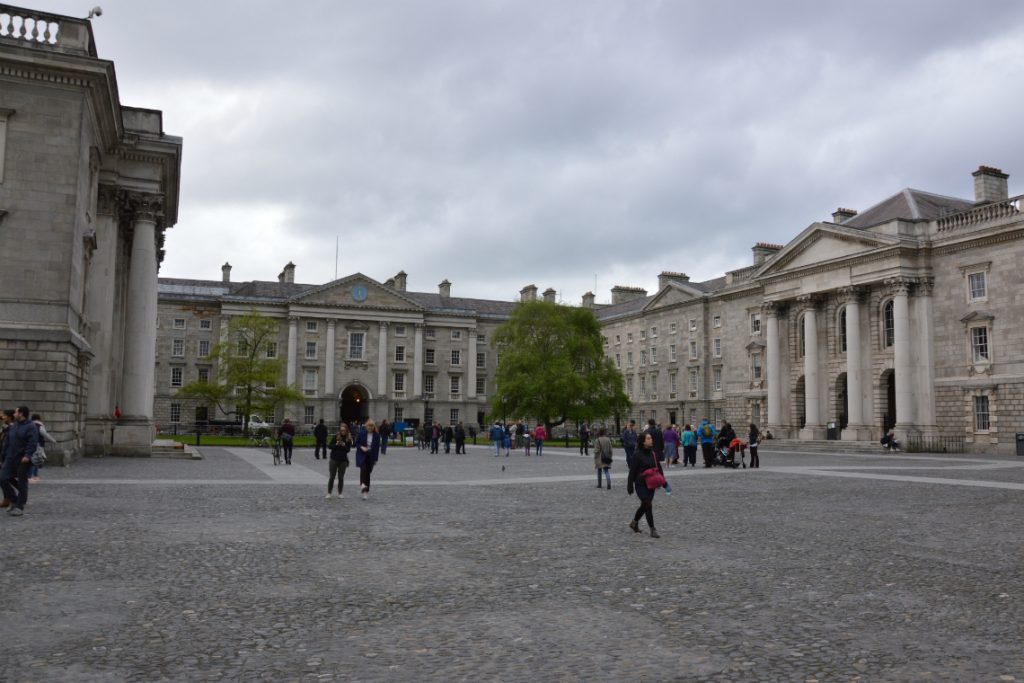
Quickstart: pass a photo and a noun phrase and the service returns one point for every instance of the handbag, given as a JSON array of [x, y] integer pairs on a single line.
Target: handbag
[[653, 478]]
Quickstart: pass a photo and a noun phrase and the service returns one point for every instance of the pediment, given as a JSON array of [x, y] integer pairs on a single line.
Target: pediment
[[977, 316], [673, 294], [356, 290], [821, 243]]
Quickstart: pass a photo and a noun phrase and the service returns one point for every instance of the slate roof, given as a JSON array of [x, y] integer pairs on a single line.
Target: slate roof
[[910, 205], [636, 305], [436, 302]]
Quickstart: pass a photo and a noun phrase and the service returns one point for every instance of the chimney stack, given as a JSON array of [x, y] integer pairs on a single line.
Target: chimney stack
[[225, 272], [588, 300], [764, 251], [989, 185], [445, 288], [549, 294], [288, 274], [622, 294], [400, 281], [841, 214], [528, 293], [666, 277]]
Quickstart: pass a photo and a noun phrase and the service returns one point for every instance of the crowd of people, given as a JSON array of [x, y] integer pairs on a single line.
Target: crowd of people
[[21, 452]]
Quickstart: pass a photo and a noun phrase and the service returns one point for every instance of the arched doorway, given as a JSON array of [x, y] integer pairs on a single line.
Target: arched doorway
[[889, 387], [800, 402], [842, 401], [354, 405]]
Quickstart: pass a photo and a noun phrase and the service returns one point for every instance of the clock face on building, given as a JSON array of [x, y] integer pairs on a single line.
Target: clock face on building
[[359, 293]]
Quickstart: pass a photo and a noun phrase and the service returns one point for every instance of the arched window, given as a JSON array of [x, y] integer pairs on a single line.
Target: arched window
[[888, 325], [842, 330]]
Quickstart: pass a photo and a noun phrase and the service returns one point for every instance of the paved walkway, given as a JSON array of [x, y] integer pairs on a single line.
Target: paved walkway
[[816, 567]]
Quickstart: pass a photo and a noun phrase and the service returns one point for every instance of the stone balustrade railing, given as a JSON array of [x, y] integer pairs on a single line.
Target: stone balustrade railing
[[982, 214], [33, 29]]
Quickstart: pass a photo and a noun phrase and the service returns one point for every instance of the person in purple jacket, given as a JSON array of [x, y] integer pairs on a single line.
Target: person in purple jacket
[[671, 439]]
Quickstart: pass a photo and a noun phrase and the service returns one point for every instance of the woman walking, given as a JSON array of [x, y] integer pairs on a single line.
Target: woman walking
[[539, 435], [44, 437], [367, 450], [340, 445], [671, 438], [603, 457], [752, 439], [644, 460], [689, 446]]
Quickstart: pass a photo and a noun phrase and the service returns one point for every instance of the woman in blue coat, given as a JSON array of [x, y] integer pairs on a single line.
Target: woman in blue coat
[[367, 450]]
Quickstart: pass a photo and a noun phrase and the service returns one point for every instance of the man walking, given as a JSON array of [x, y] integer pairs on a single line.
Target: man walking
[[320, 434], [584, 439], [460, 439], [629, 442], [22, 441], [497, 436], [706, 434]]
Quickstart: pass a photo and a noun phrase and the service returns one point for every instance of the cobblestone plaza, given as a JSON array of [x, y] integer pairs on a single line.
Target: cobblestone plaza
[[816, 567]]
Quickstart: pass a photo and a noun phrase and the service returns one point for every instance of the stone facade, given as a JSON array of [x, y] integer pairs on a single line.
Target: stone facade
[[92, 185]]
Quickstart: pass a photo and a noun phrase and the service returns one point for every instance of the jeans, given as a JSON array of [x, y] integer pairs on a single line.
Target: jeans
[[540, 446], [497, 447], [607, 476], [630, 450], [336, 468], [433, 445], [14, 481], [286, 445]]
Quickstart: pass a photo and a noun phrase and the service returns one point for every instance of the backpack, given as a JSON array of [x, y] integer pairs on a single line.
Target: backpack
[[39, 457], [705, 431]]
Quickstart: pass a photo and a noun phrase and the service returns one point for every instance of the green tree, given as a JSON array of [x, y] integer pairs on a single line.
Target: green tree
[[552, 366], [246, 377]]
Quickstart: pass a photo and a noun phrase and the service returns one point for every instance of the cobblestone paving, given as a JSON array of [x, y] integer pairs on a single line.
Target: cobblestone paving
[[231, 569]]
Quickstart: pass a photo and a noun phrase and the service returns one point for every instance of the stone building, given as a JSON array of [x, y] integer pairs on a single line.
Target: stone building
[[355, 347], [87, 188], [905, 316]]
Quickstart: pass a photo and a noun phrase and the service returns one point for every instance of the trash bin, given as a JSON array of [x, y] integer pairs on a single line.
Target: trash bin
[[1020, 443], [832, 433]]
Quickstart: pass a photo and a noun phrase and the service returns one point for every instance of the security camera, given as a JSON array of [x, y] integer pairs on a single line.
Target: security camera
[[96, 11]]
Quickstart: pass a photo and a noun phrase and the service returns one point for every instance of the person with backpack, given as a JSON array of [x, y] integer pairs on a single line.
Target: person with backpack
[[689, 438], [286, 433], [22, 441], [44, 437], [603, 457], [706, 433], [497, 435]]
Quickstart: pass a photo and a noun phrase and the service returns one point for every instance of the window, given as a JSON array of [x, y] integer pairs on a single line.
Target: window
[[629, 359], [175, 412], [643, 385], [206, 324], [801, 337], [179, 323], [428, 356], [672, 328], [204, 348], [399, 414], [718, 418], [399, 383], [399, 354], [204, 375], [716, 378], [755, 323], [654, 356], [979, 344], [643, 335], [629, 385], [981, 414], [694, 382], [481, 386], [176, 374], [604, 340], [976, 286], [355, 345], [717, 346], [243, 347], [629, 337], [428, 385], [654, 383], [618, 360], [481, 339], [672, 353], [399, 330], [456, 357], [716, 321], [429, 333], [755, 366], [269, 385], [308, 415], [842, 331], [693, 417], [178, 347], [456, 335], [481, 359], [672, 382], [888, 325], [455, 383], [310, 350], [618, 339], [693, 350], [309, 381], [755, 413], [643, 357], [453, 415], [271, 349], [311, 326], [654, 331], [693, 324]]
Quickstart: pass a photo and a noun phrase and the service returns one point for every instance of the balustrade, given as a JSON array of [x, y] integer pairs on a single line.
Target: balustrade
[[982, 214]]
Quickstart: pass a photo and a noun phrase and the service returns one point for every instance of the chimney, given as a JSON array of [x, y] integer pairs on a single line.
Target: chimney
[[841, 214], [390, 283], [288, 274], [225, 273], [588, 300], [400, 281], [764, 251], [989, 185], [528, 293], [621, 294], [549, 294], [667, 276], [445, 288]]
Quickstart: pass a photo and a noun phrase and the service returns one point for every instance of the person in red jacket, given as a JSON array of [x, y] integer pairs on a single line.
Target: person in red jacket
[[539, 435]]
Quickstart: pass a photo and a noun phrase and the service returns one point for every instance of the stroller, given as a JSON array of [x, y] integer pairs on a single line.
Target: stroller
[[726, 455]]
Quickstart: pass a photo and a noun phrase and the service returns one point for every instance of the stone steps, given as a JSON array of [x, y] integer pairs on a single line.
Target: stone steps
[[799, 446], [172, 449]]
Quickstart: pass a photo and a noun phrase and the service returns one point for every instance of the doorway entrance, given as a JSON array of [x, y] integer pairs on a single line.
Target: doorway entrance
[[889, 387], [354, 405], [842, 401], [800, 403]]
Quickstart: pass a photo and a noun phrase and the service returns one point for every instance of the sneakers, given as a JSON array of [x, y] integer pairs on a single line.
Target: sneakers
[[15, 511], [328, 496], [366, 496], [340, 494]]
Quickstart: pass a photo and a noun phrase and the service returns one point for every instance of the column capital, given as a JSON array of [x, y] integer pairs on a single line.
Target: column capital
[[925, 286], [109, 200], [145, 206], [807, 302], [770, 308], [293, 319], [332, 323], [420, 326], [383, 324], [846, 295], [898, 285]]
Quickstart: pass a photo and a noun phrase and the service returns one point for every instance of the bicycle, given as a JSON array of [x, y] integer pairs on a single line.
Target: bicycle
[[275, 449]]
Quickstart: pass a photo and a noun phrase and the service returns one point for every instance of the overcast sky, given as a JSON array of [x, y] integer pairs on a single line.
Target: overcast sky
[[501, 143]]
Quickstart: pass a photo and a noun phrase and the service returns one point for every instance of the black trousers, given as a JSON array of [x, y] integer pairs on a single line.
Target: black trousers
[[336, 468], [708, 451], [754, 460], [320, 445], [364, 474]]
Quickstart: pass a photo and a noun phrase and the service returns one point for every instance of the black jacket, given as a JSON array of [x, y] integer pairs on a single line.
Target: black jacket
[[657, 439], [643, 460], [339, 451], [320, 432]]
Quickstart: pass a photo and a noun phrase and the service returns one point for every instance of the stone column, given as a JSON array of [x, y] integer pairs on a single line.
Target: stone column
[[382, 361], [471, 370], [417, 362], [814, 427], [855, 430], [293, 342], [330, 353], [775, 380], [926, 358], [902, 361]]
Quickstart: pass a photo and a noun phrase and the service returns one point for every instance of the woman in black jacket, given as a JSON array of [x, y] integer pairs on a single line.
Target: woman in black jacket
[[341, 444], [644, 459]]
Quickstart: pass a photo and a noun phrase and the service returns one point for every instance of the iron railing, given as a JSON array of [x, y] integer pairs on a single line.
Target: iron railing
[[935, 444]]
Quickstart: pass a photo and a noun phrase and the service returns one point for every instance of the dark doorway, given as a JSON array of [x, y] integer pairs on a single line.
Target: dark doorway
[[842, 401], [202, 414], [672, 417], [800, 399], [354, 405], [889, 385]]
